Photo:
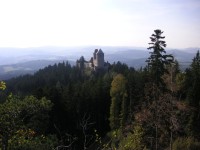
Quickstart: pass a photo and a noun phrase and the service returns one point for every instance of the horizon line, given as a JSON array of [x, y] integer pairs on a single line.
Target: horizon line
[[53, 46]]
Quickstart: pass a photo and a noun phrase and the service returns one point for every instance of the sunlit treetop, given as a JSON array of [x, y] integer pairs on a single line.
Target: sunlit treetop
[[2, 85]]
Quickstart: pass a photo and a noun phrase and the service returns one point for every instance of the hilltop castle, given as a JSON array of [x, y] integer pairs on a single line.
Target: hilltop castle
[[96, 62]]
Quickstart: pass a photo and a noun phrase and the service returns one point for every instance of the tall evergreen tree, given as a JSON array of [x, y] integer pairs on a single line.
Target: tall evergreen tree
[[193, 94], [157, 68], [158, 57]]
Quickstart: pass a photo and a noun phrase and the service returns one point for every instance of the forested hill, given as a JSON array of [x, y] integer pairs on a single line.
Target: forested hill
[[60, 74], [75, 93], [120, 108]]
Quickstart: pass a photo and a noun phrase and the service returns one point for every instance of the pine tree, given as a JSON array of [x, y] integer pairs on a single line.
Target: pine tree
[[158, 57], [157, 64], [193, 95]]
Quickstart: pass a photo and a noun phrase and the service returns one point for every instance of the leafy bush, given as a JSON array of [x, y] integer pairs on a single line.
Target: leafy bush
[[133, 140], [187, 143], [27, 140], [21, 119]]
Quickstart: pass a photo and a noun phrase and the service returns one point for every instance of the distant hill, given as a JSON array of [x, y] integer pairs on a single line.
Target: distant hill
[[29, 67], [16, 61], [137, 58]]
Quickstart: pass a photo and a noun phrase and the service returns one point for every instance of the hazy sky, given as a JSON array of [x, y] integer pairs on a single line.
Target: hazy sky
[[35, 23]]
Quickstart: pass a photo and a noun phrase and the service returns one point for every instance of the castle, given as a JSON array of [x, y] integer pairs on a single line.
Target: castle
[[96, 62]]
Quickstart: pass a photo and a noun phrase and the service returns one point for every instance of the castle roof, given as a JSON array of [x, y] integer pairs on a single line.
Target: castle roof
[[100, 51], [95, 51]]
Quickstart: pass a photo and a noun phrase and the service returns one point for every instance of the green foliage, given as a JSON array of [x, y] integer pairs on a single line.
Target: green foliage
[[180, 80], [36, 113], [118, 85], [122, 96], [187, 143], [115, 137], [118, 108], [72, 92], [2, 85], [158, 59], [192, 86], [28, 140], [120, 68], [17, 114], [133, 140]]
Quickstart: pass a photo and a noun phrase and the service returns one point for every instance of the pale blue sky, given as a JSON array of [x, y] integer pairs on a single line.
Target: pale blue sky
[[35, 23]]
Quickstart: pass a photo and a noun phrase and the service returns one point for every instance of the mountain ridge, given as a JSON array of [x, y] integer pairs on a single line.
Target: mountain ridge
[[37, 58]]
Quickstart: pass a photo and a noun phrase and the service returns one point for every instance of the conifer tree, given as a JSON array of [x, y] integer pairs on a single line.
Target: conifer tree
[[157, 68], [194, 95], [158, 57]]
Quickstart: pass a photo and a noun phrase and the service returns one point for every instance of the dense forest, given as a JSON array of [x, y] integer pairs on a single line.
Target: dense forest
[[63, 107]]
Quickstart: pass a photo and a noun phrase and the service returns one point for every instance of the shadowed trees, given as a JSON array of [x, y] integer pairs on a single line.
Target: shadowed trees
[[21, 115]]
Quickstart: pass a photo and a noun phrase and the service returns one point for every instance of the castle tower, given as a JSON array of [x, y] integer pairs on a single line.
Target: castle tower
[[94, 57], [95, 53], [100, 58], [80, 62]]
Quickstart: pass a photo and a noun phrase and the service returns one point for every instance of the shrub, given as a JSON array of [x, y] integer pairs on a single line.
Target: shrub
[[186, 143], [27, 140], [133, 140]]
